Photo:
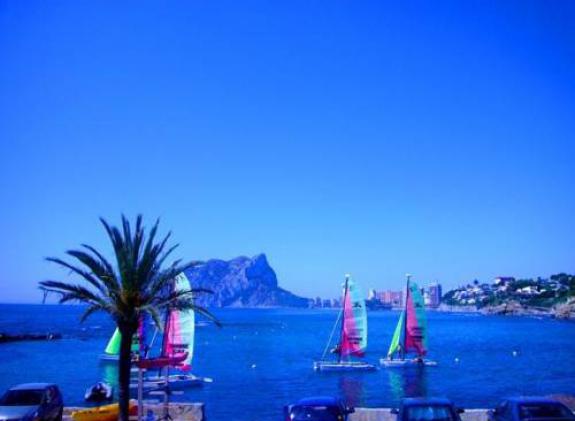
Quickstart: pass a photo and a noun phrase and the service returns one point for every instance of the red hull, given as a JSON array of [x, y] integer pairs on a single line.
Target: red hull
[[161, 361]]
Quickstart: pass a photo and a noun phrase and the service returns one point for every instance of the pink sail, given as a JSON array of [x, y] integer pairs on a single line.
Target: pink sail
[[180, 330], [175, 346], [414, 324], [354, 333]]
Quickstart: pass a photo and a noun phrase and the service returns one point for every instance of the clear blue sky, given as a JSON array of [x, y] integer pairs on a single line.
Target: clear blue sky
[[436, 138]]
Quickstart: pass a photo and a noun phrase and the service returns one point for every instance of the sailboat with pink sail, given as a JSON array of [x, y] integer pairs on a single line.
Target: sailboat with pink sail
[[173, 363], [409, 343], [352, 324]]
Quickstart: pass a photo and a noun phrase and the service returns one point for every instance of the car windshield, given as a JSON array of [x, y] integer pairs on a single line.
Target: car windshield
[[428, 413], [543, 410], [22, 397], [316, 413]]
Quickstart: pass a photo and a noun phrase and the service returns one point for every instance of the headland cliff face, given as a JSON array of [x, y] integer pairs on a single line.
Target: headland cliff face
[[241, 282]]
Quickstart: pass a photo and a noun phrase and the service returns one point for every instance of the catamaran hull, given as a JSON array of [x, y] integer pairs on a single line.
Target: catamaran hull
[[406, 363], [342, 366], [176, 382]]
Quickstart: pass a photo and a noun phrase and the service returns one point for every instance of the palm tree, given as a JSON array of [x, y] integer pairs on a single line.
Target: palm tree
[[134, 287]]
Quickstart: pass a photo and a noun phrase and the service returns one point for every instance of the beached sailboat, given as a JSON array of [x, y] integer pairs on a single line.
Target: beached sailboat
[[352, 323], [410, 335], [177, 349]]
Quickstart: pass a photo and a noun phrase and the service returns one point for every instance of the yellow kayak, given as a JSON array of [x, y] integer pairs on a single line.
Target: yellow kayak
[[102, 413]]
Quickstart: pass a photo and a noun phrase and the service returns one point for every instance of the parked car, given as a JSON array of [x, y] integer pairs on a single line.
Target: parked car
[[427, 409], [32, 402], [530, 408], [317, 409]]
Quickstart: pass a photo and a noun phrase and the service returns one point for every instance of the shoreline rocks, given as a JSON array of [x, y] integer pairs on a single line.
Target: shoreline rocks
[[5, 337], [564, 311]]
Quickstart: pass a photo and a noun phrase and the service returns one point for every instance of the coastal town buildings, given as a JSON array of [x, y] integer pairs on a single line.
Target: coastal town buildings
[[319, 302], [387, 299], [395, 299], [536, 292], [435, 294]]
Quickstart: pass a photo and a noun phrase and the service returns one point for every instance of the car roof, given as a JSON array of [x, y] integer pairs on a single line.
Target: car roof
[[320, 400], [425, 401], [531, 399], [32, 386]]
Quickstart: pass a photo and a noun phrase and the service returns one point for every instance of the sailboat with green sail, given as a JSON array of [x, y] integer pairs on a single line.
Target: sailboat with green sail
[[112, 351], [409, 342]]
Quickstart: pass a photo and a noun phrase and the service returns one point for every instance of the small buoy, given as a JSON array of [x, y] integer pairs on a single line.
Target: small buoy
[[514, 353], [456, 360], [253, 366], [234, 337]]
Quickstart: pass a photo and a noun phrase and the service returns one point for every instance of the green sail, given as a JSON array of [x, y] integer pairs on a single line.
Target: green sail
[[113, 347], [396, 336]]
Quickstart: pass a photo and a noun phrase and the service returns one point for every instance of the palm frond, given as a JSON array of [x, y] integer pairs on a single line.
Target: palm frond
[[119, 250], [154, 313], [91, 310], [208, 315], [95, 282], [102, 272], [103, 261], [62, 288]]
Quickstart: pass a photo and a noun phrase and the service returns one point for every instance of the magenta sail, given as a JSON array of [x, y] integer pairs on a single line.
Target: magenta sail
[[178, 336], [351, 337], [415, 322], [175, 347], [352, 340], [410, 335]]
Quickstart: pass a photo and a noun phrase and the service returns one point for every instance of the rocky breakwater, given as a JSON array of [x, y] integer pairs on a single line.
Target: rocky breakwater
[[6, 337], [513, 308], [241, 282], [564, 310]]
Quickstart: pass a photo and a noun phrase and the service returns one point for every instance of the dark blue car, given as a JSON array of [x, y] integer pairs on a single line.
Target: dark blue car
[[530, 409], [32, 402], [317, 409], [427, 409]]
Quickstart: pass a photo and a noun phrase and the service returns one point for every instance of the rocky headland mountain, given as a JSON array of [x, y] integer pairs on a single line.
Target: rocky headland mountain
[[241, 282]]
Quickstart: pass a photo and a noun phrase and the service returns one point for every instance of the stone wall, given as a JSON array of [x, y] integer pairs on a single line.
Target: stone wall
[[178, 412]]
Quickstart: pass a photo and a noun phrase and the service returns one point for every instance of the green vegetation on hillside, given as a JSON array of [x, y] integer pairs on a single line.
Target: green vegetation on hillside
[[530, 292]]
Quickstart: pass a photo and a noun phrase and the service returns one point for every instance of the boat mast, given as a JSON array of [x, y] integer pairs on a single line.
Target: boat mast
[[343, 318], [402, 354]]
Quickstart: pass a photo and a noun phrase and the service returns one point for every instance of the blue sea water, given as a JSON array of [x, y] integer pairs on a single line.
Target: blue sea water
[[262, 359]]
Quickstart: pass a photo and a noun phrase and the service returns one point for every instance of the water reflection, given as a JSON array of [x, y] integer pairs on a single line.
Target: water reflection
[[351, 389], [407, 382], [110, 372]]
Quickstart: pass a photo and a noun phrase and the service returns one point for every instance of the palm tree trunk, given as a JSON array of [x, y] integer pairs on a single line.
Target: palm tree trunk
[[125, 363]]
